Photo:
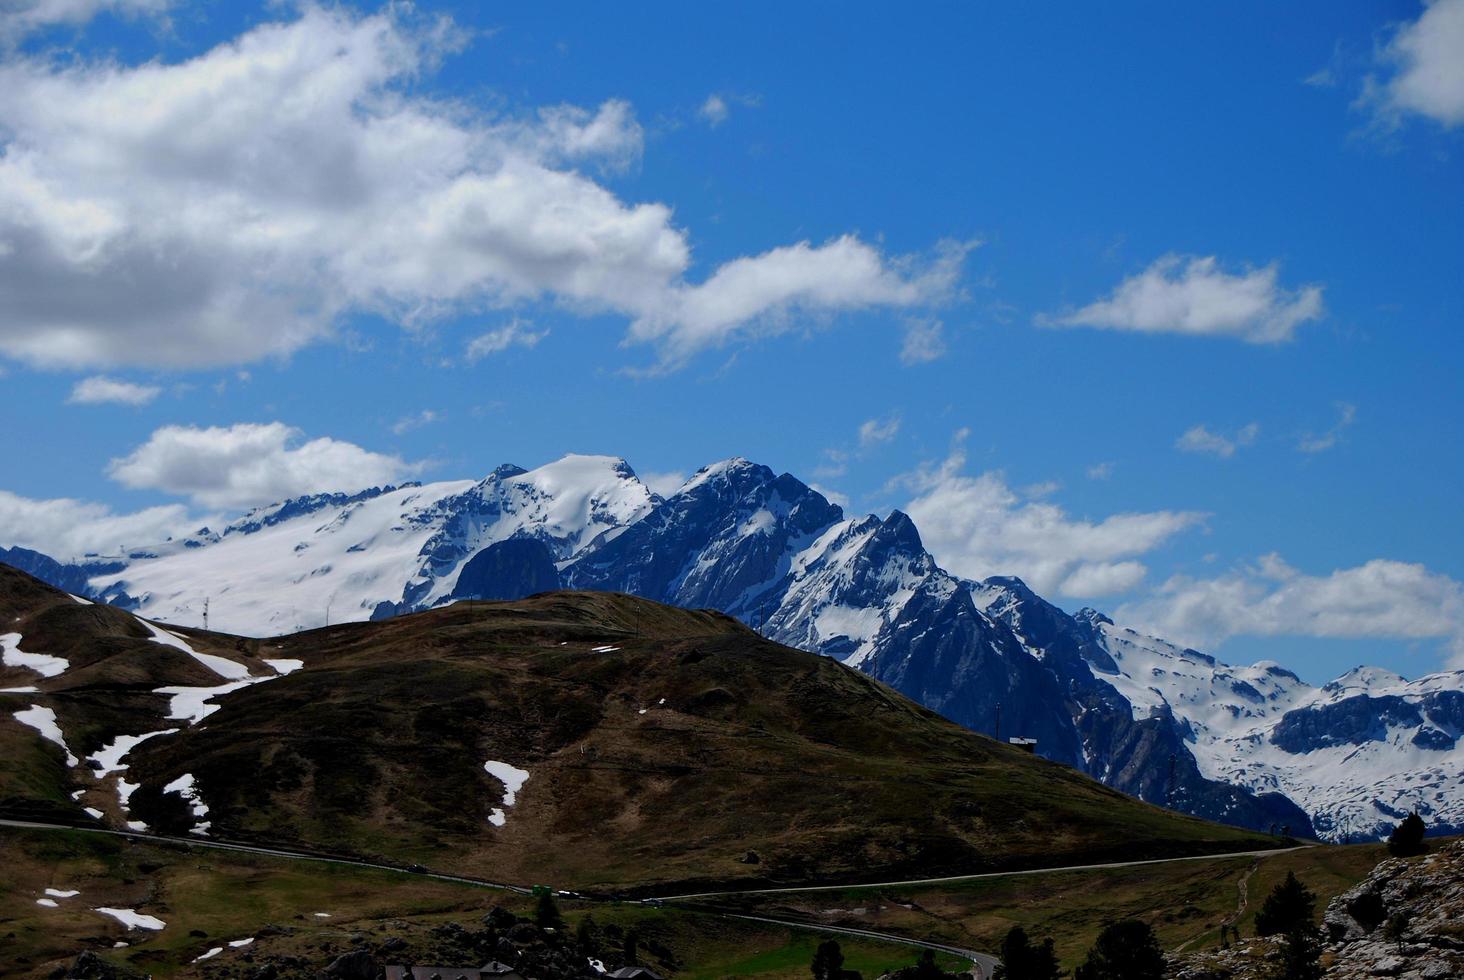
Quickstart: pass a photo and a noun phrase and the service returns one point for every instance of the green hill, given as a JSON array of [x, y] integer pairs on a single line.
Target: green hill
[[663, 746]]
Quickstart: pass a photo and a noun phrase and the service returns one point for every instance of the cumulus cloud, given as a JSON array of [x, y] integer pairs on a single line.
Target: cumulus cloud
[[1196, 297], [1422, 69], [515, 334], [760, 294], [21, 17], [250, 464], [978, 527], [237, 204], [876, 431], [1346, 415], [1199, 439], [66, 529], [99, 390], [1382, 599], [924, 342]]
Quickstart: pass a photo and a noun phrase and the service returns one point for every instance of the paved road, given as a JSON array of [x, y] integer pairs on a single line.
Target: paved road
[[983, 962], [989, 874], [268, 852]]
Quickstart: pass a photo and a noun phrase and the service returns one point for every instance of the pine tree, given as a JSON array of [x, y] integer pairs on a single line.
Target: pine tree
[[1021, 960], [1126, 950], [547, 916], [1406, 839], [586, 936], [1290, 904], [1301, 954], [828, 961]]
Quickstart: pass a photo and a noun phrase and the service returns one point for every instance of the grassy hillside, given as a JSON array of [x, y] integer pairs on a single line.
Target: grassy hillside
[[1184, 901], [209, 898], [664, 747]]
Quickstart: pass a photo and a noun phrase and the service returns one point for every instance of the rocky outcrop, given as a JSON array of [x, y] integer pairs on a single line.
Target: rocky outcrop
[[1405, 920]]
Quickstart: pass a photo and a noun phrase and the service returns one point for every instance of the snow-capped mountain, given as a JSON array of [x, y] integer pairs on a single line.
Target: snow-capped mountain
[[293, 565], [1253, 746]]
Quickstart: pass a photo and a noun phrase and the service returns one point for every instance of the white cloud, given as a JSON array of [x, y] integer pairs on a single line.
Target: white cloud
[[1099, 471], [1103, 578], [1196, 297], [924, 342], [876, 431], [514, 334], [978, 527], [1382, 599], [664, 484], [1198, 439], [714, 110], [239, 203], [67, 529], [249, 464], [1346, 415], [832, 496], [1423, 69], [99, 390], [416, 420], [759, 295], [21, 17]]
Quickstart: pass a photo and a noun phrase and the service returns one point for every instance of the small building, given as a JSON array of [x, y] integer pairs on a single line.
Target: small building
[[635, 973], [1025, 744]]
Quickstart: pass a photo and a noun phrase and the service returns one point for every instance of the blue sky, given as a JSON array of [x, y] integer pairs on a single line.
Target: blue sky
[[1155, 306]]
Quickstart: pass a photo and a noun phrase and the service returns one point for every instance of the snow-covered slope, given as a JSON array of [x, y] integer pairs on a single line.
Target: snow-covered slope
[[289, 567], [1250, 745]]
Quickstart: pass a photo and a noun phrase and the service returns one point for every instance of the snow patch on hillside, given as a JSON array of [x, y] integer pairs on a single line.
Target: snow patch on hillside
[[43, 720], [44, 664], [512, 779]]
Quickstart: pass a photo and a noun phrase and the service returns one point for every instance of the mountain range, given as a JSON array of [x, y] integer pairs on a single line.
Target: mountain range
[[1253, 746]]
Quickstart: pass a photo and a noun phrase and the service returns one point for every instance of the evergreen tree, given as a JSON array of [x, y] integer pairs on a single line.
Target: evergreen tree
[[586, 936], [1301, 954], [1126, 950], [1021, 960], [547, 916], [828, 961], [1406, 839], [1290, 905]]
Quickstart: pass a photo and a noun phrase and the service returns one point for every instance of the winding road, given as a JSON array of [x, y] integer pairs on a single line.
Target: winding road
[[984, 964]]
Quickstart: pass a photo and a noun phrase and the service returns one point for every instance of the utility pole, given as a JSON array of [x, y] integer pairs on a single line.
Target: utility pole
[[1169, 787], [327, 609], [998, 721]]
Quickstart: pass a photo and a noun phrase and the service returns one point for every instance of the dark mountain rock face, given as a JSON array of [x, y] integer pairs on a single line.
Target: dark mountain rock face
[[70, 578], [509, 569], [1348, 722], [1145, 757], [769, 550]]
